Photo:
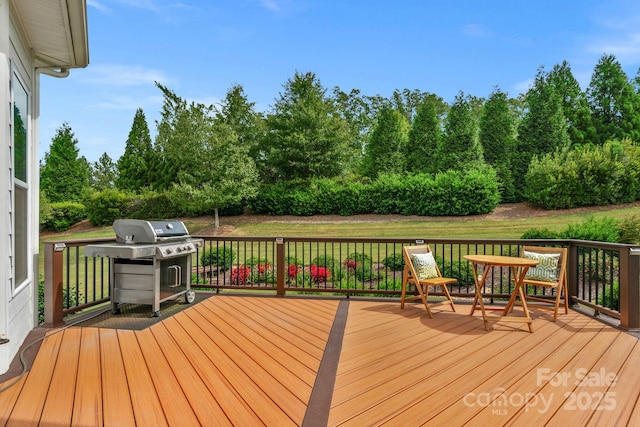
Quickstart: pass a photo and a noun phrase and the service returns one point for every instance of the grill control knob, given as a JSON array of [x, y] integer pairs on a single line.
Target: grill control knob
[[169, 250]]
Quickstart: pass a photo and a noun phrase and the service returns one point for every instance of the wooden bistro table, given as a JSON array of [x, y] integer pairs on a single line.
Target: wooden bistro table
[[519, 267]]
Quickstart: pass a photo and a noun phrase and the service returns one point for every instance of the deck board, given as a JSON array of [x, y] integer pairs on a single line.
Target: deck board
[[117, 406], [28, 407], [147, 408], [243, 360], [58, 408], [177, 408], [87, 404]]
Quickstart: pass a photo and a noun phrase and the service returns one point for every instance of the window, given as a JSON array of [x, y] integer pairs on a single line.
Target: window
[[20, 194]]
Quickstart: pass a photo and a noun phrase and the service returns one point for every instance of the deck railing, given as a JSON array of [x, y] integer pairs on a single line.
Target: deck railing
[[602, 277]]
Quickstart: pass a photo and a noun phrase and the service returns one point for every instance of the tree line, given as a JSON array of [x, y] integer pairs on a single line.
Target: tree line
[[207, 158]]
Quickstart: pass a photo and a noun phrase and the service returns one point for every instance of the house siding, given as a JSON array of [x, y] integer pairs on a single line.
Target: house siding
[[17, 301]]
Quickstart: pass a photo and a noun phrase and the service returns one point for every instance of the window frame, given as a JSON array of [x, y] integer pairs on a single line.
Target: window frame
[[20, 234]]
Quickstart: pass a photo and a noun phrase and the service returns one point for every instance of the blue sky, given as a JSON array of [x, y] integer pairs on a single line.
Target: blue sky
[[200, 48]]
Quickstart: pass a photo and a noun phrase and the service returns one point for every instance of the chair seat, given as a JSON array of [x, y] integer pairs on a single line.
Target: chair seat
[[549, 257], [422, 286], [438, 281]]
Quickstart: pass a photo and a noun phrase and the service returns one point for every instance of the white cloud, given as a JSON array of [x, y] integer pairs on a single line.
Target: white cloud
[[524, 86], [626, 47], [122, 75], [475, 30], [272, 5], [98, 5]]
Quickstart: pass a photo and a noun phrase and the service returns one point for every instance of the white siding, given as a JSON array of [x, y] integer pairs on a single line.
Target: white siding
[[17, 305]]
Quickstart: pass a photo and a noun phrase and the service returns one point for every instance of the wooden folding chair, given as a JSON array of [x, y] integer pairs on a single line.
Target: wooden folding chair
[[421, 269], [551, 274]]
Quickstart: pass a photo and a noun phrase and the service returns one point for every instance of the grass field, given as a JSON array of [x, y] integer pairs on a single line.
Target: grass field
[[502, 227]]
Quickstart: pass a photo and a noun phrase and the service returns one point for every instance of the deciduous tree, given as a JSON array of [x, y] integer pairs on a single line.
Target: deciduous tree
[[212, 169]]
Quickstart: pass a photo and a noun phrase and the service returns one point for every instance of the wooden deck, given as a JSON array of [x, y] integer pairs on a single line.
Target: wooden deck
[[247, 361]]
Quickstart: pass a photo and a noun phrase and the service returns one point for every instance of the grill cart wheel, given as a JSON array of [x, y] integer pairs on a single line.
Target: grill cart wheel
[[190, 297]]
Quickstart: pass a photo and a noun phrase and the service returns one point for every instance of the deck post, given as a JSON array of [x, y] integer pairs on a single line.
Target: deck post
[[630, 289], [53, 273], [572, 273], [280, 266]]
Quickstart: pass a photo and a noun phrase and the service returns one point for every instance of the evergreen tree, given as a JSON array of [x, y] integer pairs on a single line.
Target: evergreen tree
[[460, 148], [498, 140], [574, 104], [424, 137], [615, 106], [384, 152], [173, 130], [136, 163], [64, 175], [306, 136], [103, 173], [543, 129]]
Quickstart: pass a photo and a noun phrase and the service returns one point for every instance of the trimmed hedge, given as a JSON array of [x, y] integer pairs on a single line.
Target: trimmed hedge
[[456, 193]]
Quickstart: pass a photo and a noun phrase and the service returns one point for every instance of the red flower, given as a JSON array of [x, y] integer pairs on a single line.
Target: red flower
[[239, 275], [351, 264], [263, 268], [293, 270], [319, 274]]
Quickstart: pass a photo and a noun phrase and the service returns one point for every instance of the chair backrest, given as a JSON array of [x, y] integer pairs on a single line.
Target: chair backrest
[[552, 267], [420, 268]]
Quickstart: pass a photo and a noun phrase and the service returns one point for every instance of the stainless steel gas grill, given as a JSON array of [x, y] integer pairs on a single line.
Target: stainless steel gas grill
[[149, 263]]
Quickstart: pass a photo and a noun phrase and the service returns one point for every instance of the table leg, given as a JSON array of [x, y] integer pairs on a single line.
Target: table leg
[[519, 274], [479, 287]]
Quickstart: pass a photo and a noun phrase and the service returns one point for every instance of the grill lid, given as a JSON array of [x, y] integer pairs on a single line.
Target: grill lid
[[133, 231]]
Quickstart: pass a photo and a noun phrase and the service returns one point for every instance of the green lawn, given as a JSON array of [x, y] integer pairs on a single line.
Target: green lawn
[[464, 227], [469, 227]]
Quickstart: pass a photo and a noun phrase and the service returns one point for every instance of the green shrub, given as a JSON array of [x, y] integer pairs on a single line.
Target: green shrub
[[472, 192], [539, 233], [602, 230], [220, 257], [360, 265], [46, 211], [64, 215], [588, 175], [630, 230], [66, 296], [104, 207], [325, 261], [153, 205], [394, 262]]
